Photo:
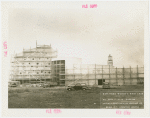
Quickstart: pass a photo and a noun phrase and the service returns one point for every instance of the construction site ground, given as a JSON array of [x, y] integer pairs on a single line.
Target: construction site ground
[[59, 97]]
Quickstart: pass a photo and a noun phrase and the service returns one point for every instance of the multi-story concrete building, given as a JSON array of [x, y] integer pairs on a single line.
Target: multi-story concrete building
[[71, 70], [41, 64], [33, 65], [59, 67]]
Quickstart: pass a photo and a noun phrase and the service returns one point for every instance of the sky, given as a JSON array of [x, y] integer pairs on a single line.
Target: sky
[[115, 28]]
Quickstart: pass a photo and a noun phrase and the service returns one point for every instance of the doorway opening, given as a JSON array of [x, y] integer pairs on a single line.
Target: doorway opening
[[100, 81]]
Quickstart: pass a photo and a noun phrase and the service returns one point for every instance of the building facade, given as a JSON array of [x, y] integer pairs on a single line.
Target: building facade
[[33, 65], [60, 65], [71, 70], [41, 64]]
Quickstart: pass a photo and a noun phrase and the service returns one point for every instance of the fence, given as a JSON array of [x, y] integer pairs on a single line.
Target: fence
[[97, 74]]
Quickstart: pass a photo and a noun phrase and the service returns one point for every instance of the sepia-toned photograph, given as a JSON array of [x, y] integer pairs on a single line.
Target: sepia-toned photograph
[[75, 55]]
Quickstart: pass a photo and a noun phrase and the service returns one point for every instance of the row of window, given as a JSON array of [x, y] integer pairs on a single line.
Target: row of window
[[42, 72], [37, 66], [38, 72], [37, 63], [34, 58], [59, 62]]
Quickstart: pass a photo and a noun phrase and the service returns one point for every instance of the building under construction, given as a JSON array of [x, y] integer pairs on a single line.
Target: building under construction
[[33, 65], [41, 64]]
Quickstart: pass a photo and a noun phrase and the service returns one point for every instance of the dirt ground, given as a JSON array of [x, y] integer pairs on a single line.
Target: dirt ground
[[61, 98]]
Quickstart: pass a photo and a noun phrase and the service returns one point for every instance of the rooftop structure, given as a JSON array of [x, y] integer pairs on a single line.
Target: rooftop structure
[[110, 60]]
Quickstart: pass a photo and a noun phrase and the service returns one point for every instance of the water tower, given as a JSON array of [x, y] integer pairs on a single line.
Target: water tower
[[110, 60]]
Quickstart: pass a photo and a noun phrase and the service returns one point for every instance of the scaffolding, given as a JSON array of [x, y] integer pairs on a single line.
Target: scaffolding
[[94, 74], [33, 65]]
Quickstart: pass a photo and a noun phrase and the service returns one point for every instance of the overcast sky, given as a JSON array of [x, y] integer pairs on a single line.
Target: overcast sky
[[115, 28]]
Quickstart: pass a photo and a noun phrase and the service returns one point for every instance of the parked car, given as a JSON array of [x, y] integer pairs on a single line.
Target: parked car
[[78, 86], [106, 85], [13, 85]]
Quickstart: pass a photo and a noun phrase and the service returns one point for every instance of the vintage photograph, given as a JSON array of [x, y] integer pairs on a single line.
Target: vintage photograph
[[76, 55]]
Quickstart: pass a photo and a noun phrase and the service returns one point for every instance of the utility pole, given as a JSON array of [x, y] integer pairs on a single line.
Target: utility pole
[[88, 75], [81, 71], [95, 73], [109, 73], [102, 74], [130, 76], [73, 74], [123, 76], [116, 76], [137, 73]]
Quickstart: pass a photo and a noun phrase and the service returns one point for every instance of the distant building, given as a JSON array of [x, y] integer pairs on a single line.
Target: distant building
[[110, 60]]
